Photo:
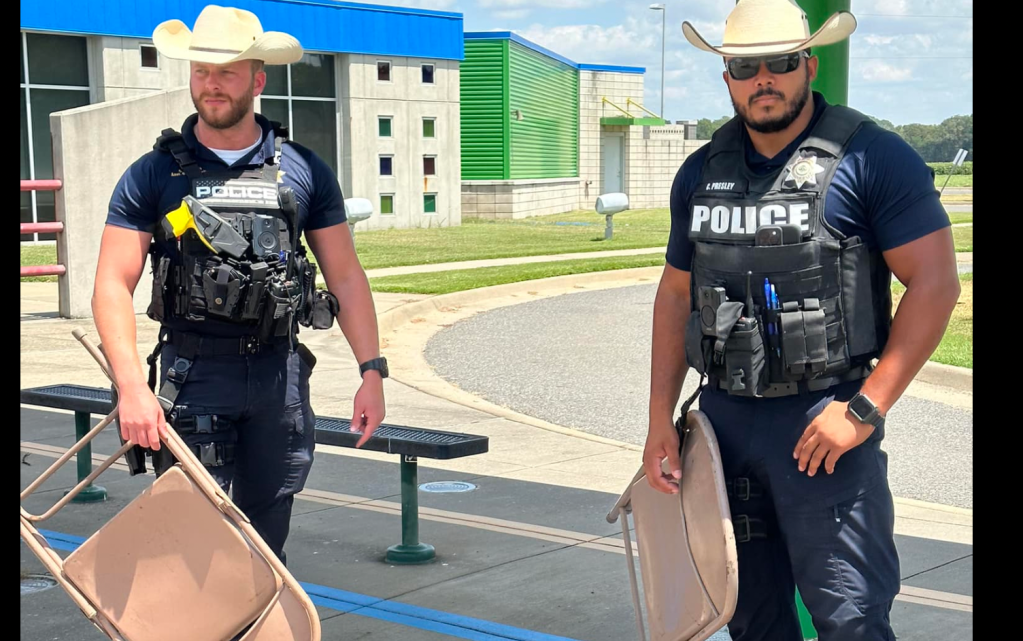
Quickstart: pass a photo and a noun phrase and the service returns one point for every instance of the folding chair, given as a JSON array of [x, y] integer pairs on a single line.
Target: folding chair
[[180, 561], [685, 541]]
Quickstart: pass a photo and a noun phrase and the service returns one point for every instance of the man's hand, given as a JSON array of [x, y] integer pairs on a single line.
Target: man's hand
[[833, 433], [368, 412], [141, 418], [661, 442]]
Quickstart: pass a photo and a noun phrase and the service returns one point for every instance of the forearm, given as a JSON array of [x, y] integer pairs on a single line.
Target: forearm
[[917, 329], [668, 366], [114, 315], [357, 316]]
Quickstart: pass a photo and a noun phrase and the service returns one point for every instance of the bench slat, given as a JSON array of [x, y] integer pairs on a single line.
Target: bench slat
[[74, 398], [393, 439], [398, 439]]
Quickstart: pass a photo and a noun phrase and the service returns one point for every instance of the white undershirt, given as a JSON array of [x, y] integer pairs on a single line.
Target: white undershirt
[[231, 156]]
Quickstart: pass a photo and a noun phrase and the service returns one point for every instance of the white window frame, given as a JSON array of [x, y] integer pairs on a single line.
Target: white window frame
[[390, 71], [433, 67], [436, 203], [434, 136], [153, 47], [434, 156], [394, 209]]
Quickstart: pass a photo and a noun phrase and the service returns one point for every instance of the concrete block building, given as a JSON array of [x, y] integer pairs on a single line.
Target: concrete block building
[[376, 94]]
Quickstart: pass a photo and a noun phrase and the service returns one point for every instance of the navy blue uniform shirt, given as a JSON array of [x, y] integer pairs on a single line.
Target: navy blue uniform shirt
[[882, 192], [154, 185]]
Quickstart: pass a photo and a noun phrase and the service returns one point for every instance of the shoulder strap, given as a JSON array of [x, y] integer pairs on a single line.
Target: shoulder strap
[[835, 129], [172, 142], [280, 137]]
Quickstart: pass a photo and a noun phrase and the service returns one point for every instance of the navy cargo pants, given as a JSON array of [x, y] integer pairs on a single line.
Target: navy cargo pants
[[250, 417], [832, 535]]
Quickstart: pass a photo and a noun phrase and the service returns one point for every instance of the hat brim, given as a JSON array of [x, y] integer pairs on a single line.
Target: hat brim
[[835, 29], [173, 39]]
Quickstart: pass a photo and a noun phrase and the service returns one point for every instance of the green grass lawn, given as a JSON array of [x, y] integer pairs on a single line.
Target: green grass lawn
[[953, 181], [963, 237], [956, 347], [33, 255], [458, 280], [572, 232]]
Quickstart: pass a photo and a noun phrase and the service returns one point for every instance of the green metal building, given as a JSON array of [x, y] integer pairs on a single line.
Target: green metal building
[[520, 110], [541, 134]]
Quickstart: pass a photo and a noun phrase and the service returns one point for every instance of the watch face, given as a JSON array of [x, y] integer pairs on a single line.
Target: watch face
[[861, 407]]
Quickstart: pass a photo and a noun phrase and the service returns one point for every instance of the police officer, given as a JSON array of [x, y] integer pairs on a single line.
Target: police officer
[[221, 207], [785, 230]]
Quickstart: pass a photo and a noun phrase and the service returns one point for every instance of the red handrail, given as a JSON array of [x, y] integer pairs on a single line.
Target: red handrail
[[42, 228], [40, 185]]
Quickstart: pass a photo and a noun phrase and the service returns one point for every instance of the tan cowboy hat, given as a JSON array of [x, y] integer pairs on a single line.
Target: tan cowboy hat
[[223, 35], [763, 27]]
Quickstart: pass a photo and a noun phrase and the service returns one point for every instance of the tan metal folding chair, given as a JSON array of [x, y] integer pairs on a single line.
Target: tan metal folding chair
[[685, 542], [181, 561]]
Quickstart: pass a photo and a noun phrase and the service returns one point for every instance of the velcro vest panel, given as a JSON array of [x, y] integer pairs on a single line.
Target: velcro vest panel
[[263, 290], [833, 310]]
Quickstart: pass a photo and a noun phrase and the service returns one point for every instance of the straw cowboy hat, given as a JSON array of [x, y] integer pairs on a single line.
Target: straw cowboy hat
[[224, 35], [765, 27]]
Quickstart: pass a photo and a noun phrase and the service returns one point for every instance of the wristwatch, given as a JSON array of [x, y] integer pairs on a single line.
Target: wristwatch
[[865, 411], [379, 364]]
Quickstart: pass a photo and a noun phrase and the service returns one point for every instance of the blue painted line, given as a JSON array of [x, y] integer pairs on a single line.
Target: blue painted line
[[414, 616]]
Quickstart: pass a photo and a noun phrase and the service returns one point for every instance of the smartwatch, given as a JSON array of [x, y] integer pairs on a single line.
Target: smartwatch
[[865, 411], [379, 364]]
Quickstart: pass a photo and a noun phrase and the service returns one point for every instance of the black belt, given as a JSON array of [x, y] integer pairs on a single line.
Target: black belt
[[204, 345], [803, 387]]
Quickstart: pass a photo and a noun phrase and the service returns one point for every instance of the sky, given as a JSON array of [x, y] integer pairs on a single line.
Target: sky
[[911, 61]]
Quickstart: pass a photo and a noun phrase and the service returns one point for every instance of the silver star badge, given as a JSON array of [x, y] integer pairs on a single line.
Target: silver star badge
[[804, 172]]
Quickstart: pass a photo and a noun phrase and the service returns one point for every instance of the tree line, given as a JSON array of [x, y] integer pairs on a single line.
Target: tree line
[[934, 143]]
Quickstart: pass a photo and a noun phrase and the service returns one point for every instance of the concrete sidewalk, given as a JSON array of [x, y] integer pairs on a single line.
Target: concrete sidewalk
[[537, 509]]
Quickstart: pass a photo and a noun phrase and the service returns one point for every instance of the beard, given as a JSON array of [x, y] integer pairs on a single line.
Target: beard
[[782, 121], [236, 109]]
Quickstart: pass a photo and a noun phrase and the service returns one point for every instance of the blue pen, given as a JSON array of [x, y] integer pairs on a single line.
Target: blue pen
[[767, 302], [775, 305]]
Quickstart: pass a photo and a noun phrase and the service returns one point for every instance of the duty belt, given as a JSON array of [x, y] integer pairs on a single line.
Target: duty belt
[[802, 387], [189, 346], [202, 345]]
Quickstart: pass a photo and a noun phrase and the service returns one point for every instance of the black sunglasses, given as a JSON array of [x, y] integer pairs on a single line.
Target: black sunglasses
[[746, 68]]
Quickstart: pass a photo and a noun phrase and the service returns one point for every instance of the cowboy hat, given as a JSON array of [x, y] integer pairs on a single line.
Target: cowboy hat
[[223, 35], [763, 27]]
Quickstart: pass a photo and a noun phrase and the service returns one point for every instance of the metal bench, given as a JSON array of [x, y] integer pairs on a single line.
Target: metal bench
[[410, 443]]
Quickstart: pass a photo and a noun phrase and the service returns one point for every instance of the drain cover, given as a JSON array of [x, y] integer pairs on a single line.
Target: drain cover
[[439, 487], [36, 583]]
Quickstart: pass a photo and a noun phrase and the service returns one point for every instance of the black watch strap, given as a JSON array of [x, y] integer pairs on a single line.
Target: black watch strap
[[379, 364]]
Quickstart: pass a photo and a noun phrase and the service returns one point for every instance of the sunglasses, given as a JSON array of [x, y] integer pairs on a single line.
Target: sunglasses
[[746, 68]]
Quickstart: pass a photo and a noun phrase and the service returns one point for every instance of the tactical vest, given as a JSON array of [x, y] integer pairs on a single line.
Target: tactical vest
[[259, 279], [829, 313]]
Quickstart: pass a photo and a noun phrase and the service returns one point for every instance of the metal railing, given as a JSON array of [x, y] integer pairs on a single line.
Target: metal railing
[[42, 228]]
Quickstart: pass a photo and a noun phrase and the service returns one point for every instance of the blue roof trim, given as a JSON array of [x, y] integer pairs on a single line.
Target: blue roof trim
[[514, 37], [585, 67], [380, 7], [320, 25]]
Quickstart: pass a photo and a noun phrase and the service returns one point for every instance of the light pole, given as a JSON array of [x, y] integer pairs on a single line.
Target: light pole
[[660, 7]]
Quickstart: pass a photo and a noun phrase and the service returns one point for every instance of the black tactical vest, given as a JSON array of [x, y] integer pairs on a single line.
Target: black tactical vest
[[830, 311], [258, 282]]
